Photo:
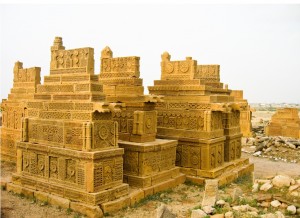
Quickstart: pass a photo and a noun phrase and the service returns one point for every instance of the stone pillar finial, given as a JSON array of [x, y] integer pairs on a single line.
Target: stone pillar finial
[[106, 53], [165, 56], [18, 65], [57, 44]]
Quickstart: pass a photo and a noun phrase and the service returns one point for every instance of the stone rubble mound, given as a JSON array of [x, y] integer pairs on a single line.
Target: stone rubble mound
[[278, 148]]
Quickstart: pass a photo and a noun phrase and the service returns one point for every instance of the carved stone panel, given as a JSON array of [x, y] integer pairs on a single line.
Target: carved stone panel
[[105, 134]]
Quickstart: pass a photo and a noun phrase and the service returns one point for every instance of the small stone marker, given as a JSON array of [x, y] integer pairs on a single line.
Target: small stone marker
[[211, 192]]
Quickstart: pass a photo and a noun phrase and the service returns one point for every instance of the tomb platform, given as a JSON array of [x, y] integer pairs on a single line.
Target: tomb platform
[[203, 115], [285, 122], [150, 165]]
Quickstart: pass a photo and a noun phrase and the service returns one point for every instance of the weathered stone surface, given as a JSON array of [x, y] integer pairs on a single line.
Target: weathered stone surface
[[275, 203], [244, 208], [265, 204], [198, 213], [285, 122], [229, 214], [164, 212], [264, 197], [41, 196], [236, 193], [58, 201], [136, 196], [281, 180], [113, 206], [266, 186], [292, 209], [208, 209], [210, 193], [217, 216], [88, 210], [220, 203], [255, 187]]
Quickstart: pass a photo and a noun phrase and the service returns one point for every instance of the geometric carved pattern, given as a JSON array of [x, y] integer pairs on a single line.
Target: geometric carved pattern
[[98, 175], [73, 137], [208, 71], [41, 161], [105, 134], [181, 119], [70, 61], [144, 122], [70, 170], [53, 167], [43, 131], [175, 70], [120, 67]]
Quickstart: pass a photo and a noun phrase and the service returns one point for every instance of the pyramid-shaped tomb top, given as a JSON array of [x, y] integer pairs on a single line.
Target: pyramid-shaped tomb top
[[80, 60], [71, 76]]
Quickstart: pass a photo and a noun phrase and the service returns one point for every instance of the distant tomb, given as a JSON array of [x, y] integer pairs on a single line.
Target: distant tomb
[[285, 122]]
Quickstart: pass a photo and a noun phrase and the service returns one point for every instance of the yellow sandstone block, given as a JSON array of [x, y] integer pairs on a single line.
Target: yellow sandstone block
[[136, 196], [27, 192], [116, 205], [164, 186], [180, 179], [148, 191], [55, 200], [196, 180], [41, 196], [14, 188], [90, 211]]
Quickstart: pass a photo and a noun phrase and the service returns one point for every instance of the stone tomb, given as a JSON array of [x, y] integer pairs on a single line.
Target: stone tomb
[[69, 144], [285, 122], [79, 136], [14, 108], [149, 163], [245, 113], [205, 119]]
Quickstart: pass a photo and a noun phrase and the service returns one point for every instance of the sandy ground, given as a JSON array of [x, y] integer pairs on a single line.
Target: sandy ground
[[264, 168], [180, 199]]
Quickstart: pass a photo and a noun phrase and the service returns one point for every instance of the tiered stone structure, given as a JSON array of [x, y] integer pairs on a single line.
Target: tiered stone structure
[[69, 144], [14, 108], [79, 136], [202, 116], [149, 163], [245, 112], [285, 122]]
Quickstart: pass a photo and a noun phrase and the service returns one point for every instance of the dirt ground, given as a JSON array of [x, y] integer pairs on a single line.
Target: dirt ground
[[181, 200]]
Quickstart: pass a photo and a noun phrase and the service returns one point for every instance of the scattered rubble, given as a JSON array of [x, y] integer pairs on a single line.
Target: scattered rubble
[[276, 148]]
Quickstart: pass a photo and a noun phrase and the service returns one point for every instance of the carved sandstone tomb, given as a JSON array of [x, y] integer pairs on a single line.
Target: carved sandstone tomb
[[245, 113], [149, 163], [14, 109], [69, 144], [285, 122], [203, 117]]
